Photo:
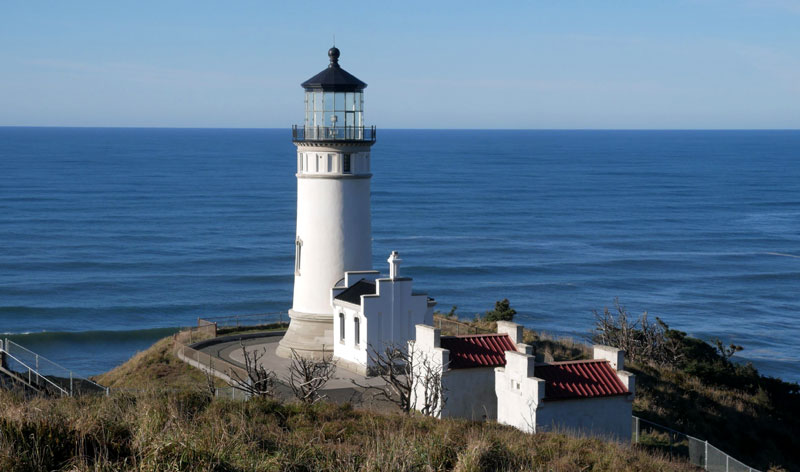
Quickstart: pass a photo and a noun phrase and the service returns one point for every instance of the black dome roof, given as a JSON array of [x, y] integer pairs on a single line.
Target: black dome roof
[[334, 78]]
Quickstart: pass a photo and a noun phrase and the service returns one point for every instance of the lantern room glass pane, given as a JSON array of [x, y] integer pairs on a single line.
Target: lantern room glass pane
[[349, 101], [317, 101], [327, 101], [339, 101]]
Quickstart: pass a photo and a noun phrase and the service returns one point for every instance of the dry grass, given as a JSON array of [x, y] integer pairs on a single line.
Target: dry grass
[[190, 432], [156, 366], [753, 425]]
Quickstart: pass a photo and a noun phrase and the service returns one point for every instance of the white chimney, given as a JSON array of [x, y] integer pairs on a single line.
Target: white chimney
[[394, 261]]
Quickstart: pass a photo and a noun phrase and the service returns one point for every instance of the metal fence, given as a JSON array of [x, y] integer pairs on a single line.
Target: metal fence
[[192, 335], [231, 323], [43, 374], [699, 453], [449, 327]]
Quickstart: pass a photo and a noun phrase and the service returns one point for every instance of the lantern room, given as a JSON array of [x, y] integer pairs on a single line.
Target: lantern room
[[334, 106]]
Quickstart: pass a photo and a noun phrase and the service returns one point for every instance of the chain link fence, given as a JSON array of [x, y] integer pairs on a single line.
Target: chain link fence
[[676, 444]]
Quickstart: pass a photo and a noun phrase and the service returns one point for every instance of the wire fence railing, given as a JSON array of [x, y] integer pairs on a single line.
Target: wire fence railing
[[677, 444], [449, 327], [43, 374], [224, 324]]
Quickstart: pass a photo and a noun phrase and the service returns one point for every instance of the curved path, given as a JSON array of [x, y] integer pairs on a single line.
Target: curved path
[[339, 389]]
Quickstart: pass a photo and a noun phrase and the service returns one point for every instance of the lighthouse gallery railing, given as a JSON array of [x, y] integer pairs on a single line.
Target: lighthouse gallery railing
[[333, 133]]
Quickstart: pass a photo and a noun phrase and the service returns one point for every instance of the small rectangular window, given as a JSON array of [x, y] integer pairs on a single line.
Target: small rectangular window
[[356, 331], [346, 164], [341, 326]]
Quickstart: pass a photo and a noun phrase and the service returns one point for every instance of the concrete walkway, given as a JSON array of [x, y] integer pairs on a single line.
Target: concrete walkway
[[341, 388]]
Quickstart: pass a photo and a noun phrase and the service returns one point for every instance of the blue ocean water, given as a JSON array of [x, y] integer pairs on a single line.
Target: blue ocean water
[[111, 238]]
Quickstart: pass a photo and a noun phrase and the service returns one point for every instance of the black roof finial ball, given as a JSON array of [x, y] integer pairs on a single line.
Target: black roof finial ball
[[333, 53]]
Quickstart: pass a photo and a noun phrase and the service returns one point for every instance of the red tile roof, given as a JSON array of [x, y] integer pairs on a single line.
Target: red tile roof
[[477, 350], [579, 379]]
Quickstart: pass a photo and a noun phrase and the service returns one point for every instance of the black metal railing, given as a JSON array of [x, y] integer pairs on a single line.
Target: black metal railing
[[334, 133]]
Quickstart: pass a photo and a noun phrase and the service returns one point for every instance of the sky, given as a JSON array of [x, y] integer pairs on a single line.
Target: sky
[[679, 64]]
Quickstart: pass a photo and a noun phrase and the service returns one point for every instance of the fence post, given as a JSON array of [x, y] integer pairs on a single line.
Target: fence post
[[727, 462], [705, 466], [637, 429], [70, 383]]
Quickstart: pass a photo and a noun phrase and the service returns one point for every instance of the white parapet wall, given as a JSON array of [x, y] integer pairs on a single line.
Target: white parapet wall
[[429, 367], [518, 393]]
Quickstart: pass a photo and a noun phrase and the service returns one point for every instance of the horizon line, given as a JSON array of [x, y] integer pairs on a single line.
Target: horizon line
[[395, 129]]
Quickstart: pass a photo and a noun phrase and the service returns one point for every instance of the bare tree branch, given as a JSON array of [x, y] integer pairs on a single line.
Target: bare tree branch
[[259, 381], [307, 377], [406, 374]]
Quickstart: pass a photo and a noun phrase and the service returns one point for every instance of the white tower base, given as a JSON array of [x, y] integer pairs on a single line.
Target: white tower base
[[309, 335]]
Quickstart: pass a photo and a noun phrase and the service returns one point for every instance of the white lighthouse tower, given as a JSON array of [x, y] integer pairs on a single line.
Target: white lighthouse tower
[[334, 232]]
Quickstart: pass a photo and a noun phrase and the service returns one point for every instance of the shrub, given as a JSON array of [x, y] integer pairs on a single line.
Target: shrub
[[502, 311]]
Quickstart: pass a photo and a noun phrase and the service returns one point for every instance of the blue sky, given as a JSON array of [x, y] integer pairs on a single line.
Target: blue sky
[[433, 64]]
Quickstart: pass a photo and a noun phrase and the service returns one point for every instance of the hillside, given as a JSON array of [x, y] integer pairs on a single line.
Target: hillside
[[189, 432], [162, 413]]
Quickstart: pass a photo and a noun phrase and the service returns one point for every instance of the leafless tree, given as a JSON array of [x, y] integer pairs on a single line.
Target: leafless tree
[[211, 386], [641, 339], [307, 376], [412, 381], [430, 398], [258, 381]]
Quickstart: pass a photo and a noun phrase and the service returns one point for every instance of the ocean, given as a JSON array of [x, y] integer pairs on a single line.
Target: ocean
[[112, 238]]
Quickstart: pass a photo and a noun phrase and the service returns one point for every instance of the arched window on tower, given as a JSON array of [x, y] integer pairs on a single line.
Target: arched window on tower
[[356, 331], [341, 327]]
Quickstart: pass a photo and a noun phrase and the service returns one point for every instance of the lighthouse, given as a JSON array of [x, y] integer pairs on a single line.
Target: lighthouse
[[334, 231]]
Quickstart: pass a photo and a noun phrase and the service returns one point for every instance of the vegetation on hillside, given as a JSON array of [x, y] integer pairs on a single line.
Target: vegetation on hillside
[[185, 431], [689, 385], [167, 420], [695, 387], [156, 367]]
